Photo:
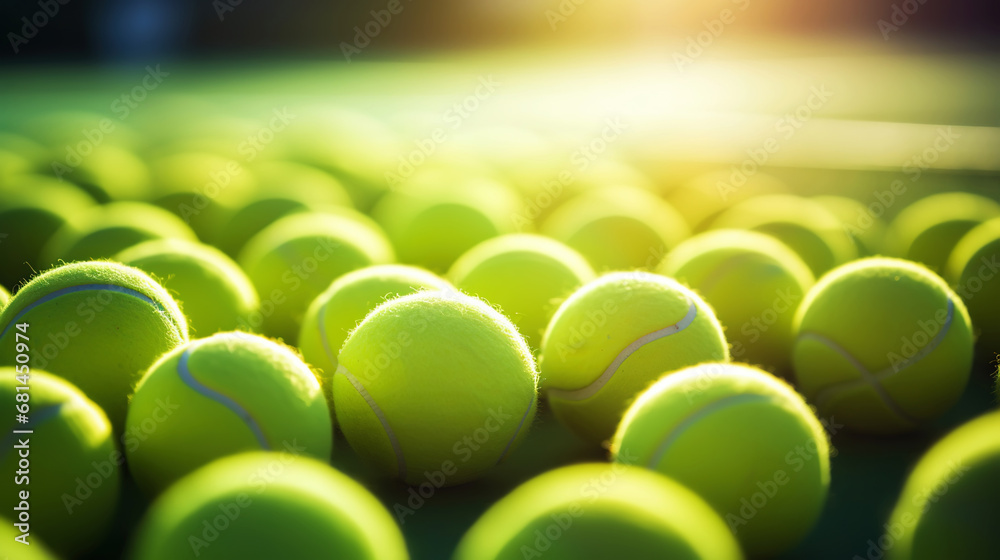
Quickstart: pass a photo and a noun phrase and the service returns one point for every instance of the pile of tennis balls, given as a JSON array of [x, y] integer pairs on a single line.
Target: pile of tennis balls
[[212, 333]]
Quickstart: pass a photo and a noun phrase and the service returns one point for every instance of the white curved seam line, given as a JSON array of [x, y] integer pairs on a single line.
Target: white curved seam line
[[188, 378], [98, 287], [520, 425], [321, 323], [396, 448], [600, 382], [697, 415], [866, 377]]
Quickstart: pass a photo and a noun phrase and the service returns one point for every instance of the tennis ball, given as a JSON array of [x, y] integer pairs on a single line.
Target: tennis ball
[[296, 258], [411, 355], [212, 290], [267, 505], [71, 486], [431, 225], [526, 276], [865, 227], [98, 325], [339, 309], [103, 231], [221, 395], [928, 230], [599, 510], [283, 188], [359, 150], [4, 297], [753, 282], [618, 228], [32, 209], [702, 198], [883, 345], [36, 550], [743, 440], [951, 501], [802, 224], [203, 189], [108, 173], [972, 269], [616, 335]]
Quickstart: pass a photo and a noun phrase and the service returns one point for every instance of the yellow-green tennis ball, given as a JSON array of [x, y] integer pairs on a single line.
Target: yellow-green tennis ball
[[599, 510], [36, 550], [222, 395], [702, 198], [951, 501], [283, 188], [435, 388], [267, 505], [203, 189], [110, 173], [211, 289], [974, 272], [32, 209], [702, 426], [882, 345], [928, 230], [103, 231], [99, 325], [864, 225], [63, 478], [431, 226], [615, 336], [526, 276], [296, 258], [618, 228], [802, 224], [339, 309], [4, 297], [755, 285]]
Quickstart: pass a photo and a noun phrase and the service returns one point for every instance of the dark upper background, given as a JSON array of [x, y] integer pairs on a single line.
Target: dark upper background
[[133, 30]]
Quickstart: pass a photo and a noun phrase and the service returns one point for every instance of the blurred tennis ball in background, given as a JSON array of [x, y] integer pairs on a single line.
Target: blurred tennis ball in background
[[97, 325], [616, 335], [597, 510], [230, 392], [753, 282], [435, 388], [203, 189], [974, 271], [267, 505], [296, 258], [927, 230], [339, 309], [283, 188], [618, 228], [4, 297], [362, 152], [743, 440], [73, 481], [883, 345], [702, 198], [434, 219], [526, 276], [866, 228], [103, 231], [210, 288], [32, 209], [35, 551], [109, 173], [802, 224], [952, 497]]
